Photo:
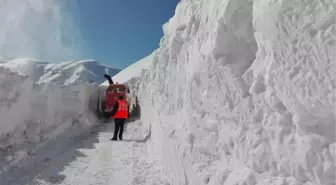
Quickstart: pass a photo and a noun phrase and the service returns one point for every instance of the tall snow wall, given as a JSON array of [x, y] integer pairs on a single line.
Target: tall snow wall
[[242, 92], [31, 114]]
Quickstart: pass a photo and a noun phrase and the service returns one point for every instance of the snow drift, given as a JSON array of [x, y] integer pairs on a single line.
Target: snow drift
[[242, 92], [43, 104]]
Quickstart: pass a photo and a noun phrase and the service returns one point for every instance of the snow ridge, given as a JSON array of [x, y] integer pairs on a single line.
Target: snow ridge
[[242, 92], [132, 71], [63, 73]]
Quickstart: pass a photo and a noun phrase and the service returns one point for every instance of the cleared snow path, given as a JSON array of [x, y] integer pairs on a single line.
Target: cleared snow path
[[89, 159]]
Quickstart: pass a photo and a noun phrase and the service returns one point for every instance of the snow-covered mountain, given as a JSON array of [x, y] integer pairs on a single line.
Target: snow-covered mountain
[[63, 73]]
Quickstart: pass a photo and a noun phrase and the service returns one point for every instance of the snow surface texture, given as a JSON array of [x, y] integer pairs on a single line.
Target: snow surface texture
[[63, 73], [242, 93], [31, 113], [90, 158]]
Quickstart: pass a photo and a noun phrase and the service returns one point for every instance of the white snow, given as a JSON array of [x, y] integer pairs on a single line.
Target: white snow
[[239, 92], [243, 92], [90, 158], [40, 29], [49, 133], [61, 73], [42, 100], [32, 114]]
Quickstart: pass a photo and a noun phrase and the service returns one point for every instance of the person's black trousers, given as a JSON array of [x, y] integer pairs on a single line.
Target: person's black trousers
[[118, 127]]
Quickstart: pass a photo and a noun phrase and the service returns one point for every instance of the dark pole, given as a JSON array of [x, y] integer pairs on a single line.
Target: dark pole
[[109, 79]]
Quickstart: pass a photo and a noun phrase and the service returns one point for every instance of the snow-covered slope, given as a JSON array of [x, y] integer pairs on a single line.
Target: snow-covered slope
[[63, 73], [243, 92], [132, 71]]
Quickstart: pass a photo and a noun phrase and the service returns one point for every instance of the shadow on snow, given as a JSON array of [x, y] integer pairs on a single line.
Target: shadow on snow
[[51, 159]]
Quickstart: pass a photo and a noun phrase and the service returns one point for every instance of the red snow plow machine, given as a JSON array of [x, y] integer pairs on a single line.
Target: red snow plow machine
[[113, 92], [109, 96]]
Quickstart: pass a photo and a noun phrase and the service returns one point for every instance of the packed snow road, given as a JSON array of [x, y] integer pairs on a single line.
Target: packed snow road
[[89, 159]]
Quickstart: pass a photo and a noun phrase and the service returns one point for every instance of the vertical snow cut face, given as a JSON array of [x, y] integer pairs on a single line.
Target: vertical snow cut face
[[241, 92], [32, 114], [297, 52], [194, 90]]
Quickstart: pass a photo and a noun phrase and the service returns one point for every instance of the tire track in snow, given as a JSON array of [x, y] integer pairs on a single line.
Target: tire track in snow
[[107, 162]]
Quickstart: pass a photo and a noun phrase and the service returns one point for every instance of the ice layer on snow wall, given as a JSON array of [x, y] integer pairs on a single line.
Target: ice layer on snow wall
[[242, 92]]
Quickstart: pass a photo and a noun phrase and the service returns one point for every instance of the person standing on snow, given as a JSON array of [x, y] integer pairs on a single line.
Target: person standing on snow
[[120, 114]]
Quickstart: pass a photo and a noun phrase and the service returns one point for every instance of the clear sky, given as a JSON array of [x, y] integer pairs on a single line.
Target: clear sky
[[120, 32]]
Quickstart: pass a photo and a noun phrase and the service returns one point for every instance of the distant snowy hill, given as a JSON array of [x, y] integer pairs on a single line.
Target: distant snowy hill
[[63, 73]]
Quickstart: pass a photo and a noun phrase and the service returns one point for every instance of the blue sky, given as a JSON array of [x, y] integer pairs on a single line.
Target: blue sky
[[120, 32]]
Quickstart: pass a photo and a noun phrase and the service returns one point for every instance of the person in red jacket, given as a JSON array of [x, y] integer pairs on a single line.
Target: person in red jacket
[[120, 115]]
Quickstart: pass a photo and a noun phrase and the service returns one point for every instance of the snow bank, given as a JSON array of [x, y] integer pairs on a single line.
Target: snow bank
[[242, 92], [34, 113]]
